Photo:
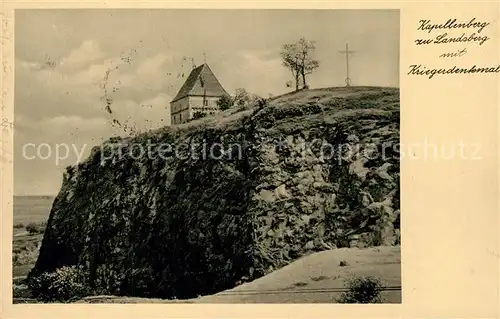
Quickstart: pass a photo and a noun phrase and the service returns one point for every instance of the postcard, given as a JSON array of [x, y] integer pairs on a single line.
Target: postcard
[[250, 159]]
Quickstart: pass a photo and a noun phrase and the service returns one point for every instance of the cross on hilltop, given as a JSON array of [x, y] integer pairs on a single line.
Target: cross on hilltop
[[347, 52]]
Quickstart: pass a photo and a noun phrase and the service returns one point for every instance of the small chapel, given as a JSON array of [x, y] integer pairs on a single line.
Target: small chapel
[[199, 93]]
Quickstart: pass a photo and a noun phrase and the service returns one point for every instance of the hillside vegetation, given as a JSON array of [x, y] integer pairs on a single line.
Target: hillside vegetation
[[309, 171]]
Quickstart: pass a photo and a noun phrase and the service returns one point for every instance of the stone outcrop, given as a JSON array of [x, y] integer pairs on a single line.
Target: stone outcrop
[[211, 205]]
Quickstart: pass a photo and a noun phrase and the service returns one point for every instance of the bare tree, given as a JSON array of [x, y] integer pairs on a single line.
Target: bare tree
[[298, 58], [307, 63], [241, 97]]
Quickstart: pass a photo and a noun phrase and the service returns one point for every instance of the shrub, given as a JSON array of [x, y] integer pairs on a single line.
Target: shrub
[[35, 228], [362, 290], [225, 102], [198, 115], [19, 225], [64, 284], [26, 255]]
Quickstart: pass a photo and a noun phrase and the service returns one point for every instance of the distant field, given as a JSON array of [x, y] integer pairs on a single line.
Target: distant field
[[32, 209], [25, 246]]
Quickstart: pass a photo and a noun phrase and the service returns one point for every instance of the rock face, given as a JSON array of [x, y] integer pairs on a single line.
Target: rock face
[[211, 205]]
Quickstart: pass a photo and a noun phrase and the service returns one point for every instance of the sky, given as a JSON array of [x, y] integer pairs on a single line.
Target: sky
[[63, 57]]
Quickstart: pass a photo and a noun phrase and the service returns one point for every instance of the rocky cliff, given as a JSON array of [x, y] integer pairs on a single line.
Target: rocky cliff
[[196, 209]]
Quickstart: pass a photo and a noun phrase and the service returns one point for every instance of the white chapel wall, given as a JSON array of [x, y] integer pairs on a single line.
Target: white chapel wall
[[196, 104], [190, 105], [180, 111]]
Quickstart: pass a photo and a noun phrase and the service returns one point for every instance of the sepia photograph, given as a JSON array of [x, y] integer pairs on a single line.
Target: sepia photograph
[[207, 156]]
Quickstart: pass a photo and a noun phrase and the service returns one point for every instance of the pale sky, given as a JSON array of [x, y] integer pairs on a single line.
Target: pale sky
[[62, 57]]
